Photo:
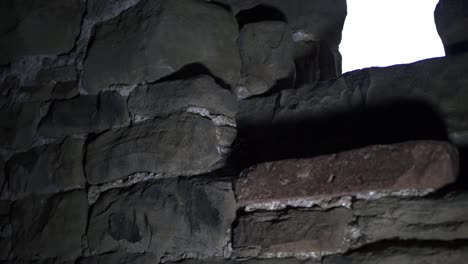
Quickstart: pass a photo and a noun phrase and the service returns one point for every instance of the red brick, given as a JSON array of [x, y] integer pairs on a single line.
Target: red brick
[[418, 165]]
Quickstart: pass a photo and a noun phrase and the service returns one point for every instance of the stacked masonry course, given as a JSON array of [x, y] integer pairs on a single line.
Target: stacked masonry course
[[196, 131]]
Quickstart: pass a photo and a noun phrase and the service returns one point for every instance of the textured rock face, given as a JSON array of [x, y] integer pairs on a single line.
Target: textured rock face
[[404, 255], [381, 168], [163, 99], [50, 226], [165, 131], [92, 113], [266, 50], [47, 169], [426, 219], [451, 18], [295, 233], [179, 145], [150, 41], [435, 83], [251, 261], [319, 21], [18, 132], [322, 19], [38, 28], [323, 231], [171, 218]]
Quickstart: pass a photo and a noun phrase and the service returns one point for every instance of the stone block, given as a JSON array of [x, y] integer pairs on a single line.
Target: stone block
[[47, 169], [418, 165], [85, 114], [149, 41], [184, 144], [38, 28], [174, 218], [163, 99], [50, 226]]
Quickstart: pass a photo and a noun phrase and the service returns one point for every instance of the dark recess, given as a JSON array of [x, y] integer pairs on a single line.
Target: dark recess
[[259, 13], [393, 123], [190, 71]]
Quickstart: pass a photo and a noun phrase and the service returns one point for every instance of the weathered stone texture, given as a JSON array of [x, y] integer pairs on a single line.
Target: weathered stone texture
[[18, 123], [50, 226], [431, 254], [171, 218], [250, 261], [46, 169], [413, 219], [179, 145], [85, 114], [322, 19], [437, 83], [266, 50], [163, 99], [320, 232], [451, 19], [381, 168], [300, 233], [319, 21], [3, 178], [53, 83], [121, 258], [34, 27], [5, 229], [150, 40]]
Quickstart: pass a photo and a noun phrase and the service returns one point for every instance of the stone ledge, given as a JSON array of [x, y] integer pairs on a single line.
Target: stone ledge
[[418, 167]]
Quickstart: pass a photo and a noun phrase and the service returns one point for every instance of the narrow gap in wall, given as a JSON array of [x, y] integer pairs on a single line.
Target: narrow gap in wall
[[388, 32]]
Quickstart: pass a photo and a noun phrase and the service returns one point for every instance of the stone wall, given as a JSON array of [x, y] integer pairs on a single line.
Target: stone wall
[[193, 131]]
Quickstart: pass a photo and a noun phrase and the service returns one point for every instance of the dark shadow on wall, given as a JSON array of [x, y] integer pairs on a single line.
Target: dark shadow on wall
[[386, 124], [259, 13], [193, 70], [222, 5], [456, 49]]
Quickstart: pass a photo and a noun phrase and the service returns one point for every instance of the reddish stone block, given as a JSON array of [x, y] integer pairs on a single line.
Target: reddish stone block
[[418, 165]]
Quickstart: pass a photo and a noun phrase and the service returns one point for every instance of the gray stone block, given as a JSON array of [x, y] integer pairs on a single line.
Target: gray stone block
[[157, 38], [47, 169], [174, 218]]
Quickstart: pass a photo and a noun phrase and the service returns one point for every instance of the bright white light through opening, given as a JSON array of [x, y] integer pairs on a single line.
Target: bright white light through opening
[[388, 32]]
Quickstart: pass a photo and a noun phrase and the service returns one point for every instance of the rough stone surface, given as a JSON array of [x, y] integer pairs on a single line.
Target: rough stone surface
[[317, 101], [5, 229], [85, 114], [3, 179], [121, 259], [311, 21], [430, 254], [251, 261], [171, 218], [451, 18], [306, 233], [53, 83], [46, 169], [434, 83], [266, 50], [179, 145], [150, 40], [256, 111], [18, 124], [437, 82], [413, 219], [38, 28], [319, 19], [413, 165], [50, 226], [163, 99]]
